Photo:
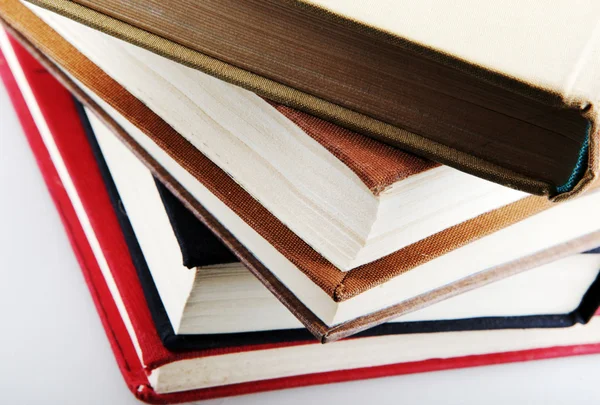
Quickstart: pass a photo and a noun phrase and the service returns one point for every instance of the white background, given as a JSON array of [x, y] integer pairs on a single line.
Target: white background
[[53, 349]]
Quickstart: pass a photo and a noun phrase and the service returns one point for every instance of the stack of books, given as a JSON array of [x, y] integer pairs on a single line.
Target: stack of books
[[269, 194]]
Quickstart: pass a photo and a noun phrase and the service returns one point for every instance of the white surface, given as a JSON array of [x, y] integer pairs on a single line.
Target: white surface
[[43, 297]]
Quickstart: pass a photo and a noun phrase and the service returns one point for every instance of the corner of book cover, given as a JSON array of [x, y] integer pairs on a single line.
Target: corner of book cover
[[585, 172], [146, 394]]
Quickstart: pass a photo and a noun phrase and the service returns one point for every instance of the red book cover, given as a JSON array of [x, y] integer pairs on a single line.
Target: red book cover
[[59, 112]]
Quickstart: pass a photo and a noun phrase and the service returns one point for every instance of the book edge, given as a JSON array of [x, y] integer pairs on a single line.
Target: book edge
[[313, 324], [297, 99], [480, 279], [124, 351]]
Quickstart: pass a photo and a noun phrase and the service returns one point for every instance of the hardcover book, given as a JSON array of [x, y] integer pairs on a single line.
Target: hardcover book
[[498, 90], [329, 302], [156, 375], [217, 301], [352, 199]]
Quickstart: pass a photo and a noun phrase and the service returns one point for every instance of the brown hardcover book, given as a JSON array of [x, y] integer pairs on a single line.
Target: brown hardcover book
[[498, 90], [330, 302], [351, 198]]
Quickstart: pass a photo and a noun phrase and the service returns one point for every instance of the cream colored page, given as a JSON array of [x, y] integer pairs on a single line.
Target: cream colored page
[[554, 44]]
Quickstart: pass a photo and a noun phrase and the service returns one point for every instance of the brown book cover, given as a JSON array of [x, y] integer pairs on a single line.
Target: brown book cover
[[60, 57], [351, 198], [458, 103]]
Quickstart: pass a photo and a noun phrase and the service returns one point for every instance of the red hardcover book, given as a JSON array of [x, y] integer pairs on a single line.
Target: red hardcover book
[[56, 135]]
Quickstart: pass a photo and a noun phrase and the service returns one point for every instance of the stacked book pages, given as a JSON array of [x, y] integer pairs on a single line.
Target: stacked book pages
[[324, 192]]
